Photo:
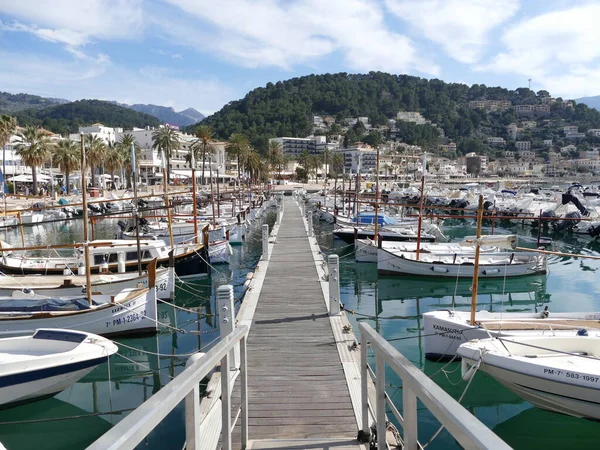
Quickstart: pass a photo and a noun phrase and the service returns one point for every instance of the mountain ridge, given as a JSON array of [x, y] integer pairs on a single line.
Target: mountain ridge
[[592, 102], [15, 103]]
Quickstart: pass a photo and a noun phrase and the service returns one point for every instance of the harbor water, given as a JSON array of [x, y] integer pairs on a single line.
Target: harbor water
[[392, 305], [76, 417]]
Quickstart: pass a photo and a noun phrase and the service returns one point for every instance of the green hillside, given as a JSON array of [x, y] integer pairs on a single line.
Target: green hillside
[[11, 103], [68, 117], [286, 108]]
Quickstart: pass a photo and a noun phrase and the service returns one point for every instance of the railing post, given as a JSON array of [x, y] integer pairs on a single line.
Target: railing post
[[364, 385], [409, 413], [225, 403], [333, 261], [265, 242], [192, 411], [380, 395], [227, 318], [244, 391]]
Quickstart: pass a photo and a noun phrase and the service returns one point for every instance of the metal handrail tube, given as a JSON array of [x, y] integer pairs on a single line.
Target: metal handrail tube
[[460, 423], [128, 433]]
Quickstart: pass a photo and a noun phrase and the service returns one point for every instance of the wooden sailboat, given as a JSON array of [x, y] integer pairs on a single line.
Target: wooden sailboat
[[446, 330], [131, 311]]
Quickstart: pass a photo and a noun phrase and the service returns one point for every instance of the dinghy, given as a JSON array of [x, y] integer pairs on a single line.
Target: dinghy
[[557, 373], [42, 365]]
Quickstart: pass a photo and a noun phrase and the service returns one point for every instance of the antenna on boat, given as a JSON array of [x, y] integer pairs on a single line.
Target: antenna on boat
[[476, 266], [376, 197], [86, 250], [136, 213], [165, 183], [194, 195]]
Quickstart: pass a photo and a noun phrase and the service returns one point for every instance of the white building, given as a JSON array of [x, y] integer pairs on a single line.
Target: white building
[[106, 134], [412, 116], [594, 132], [151, 163], [570, 129], [547, 142], [293, 146]]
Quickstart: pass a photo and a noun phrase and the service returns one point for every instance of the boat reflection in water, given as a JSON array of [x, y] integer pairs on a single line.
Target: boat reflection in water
[[530, 428], [50, 435]]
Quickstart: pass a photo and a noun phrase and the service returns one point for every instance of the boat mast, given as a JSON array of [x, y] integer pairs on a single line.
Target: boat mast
[[194, 197], [212, 195], [86, 250], [136, 214], [476, 266], [164, 171], [420, 221], [376, 198]]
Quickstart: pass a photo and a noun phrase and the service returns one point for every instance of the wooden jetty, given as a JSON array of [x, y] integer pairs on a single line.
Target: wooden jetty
[[296, 387]]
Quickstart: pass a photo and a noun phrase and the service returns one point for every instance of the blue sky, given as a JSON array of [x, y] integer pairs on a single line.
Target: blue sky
[[205, 53]]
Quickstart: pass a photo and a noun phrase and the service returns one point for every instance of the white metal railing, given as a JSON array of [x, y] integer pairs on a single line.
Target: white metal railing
[[132, 430], [460, 423]]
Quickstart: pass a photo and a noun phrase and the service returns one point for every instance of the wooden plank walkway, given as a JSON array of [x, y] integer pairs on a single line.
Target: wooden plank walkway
[[296, 383]]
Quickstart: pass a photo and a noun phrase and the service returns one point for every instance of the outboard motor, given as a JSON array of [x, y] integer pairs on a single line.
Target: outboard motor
[[594, 231], [568, 224]]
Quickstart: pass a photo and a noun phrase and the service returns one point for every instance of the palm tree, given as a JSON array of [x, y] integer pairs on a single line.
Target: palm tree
[[165, 140], [68, 158], [114, 159], [124, 150], [95, 152], [8, 126], [254, 165], [239, 147], [203, 145], [33, 150], [274, 154]]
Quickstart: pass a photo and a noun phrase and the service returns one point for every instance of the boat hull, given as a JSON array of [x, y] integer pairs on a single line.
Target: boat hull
[[136, 314], [445, 331], [348, 235], [390, 263], [59, 287], [43, 383]]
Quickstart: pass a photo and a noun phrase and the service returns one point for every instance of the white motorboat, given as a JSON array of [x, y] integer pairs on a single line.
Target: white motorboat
[[556, 373], [75, 285], [46, 363], [446, 330]]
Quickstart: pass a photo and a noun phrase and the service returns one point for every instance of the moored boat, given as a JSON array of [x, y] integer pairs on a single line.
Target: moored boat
[[557, 373], [46, 363]]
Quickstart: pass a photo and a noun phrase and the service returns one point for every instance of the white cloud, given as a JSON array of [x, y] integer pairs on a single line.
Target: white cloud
[[558, 50], [461, 27], [102, 79], [74, 23], [273, 33]]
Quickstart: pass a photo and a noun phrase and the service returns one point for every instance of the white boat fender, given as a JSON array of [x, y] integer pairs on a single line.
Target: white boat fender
[[467, 369], [80, 270], [104, 266], [439, 269]]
